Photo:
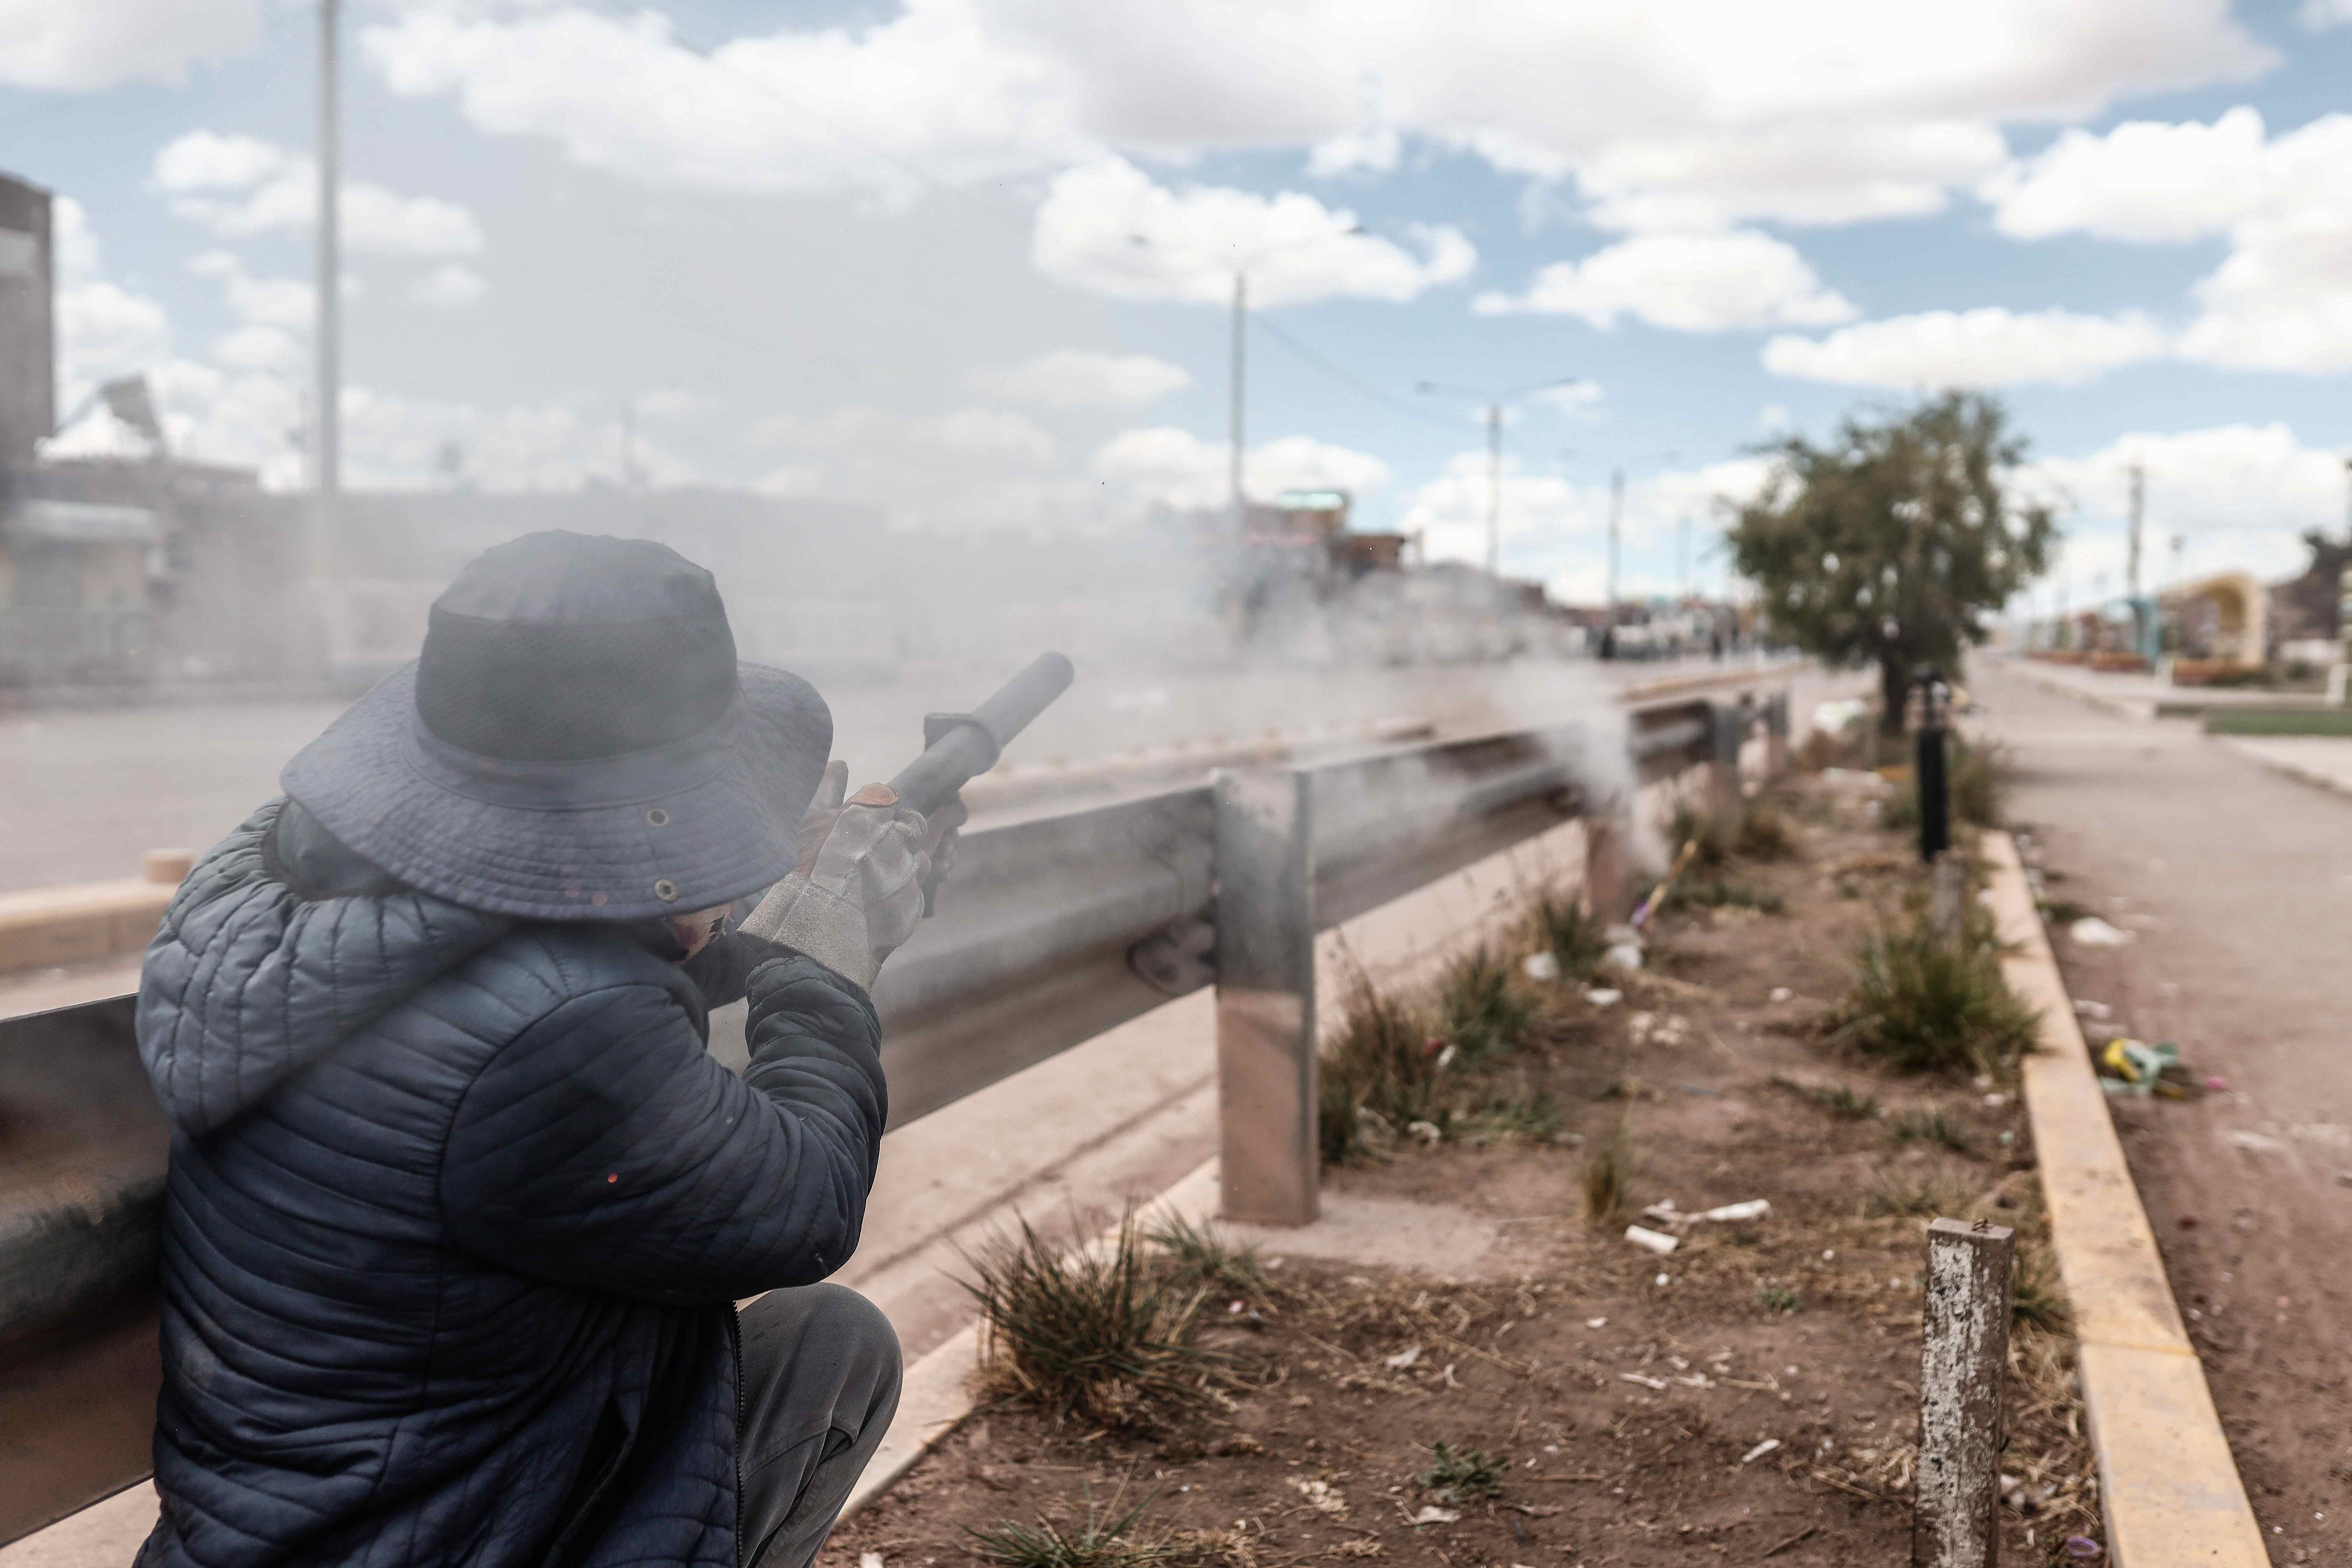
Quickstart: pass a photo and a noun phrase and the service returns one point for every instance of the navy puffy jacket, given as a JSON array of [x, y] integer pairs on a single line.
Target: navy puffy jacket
[[457, 1210]]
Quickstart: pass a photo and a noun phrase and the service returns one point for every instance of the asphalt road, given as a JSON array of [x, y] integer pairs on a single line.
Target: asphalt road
[[84, 793], [2237, 886]]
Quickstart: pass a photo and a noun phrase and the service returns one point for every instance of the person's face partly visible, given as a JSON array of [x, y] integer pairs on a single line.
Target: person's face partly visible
[[697, 929]]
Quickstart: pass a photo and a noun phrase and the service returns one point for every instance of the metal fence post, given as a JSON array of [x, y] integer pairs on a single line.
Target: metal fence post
[[1963, 1388], [1266, 1081]]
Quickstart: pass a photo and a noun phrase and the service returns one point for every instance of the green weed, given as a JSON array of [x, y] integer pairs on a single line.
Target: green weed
[[1930, 1004], [1462, 1475], [1098, 1542]]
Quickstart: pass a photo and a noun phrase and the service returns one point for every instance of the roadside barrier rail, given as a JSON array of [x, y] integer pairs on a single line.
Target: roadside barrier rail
[[1049, 932]]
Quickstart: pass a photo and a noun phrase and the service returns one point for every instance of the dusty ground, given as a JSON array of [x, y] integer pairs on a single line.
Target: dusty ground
[[2233, 883], [1628, 1399]]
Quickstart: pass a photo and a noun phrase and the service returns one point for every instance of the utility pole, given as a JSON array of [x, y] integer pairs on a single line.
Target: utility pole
[[1616, 512], [1234, 460], [327, 445], [2138, 506], [1493, 489]]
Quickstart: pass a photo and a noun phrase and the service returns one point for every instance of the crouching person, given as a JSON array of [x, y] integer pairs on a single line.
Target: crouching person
[[459, 1206]]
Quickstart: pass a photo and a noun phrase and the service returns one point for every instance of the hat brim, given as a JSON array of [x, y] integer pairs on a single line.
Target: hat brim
[[686, 826]]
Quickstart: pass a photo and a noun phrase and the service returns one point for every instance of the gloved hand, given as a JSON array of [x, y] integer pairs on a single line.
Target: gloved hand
[[867, 867]]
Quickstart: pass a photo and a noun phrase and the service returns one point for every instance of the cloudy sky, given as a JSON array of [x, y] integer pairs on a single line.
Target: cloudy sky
[[971, 261]]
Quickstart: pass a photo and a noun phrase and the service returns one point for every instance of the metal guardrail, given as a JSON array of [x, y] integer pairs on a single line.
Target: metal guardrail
[[1050, 932]]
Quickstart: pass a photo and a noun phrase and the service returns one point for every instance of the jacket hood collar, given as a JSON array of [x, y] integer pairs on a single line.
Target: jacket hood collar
[[249, 981]]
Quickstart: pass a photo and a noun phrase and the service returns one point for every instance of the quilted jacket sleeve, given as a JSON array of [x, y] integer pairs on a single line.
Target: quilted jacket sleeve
[[603, 1148]]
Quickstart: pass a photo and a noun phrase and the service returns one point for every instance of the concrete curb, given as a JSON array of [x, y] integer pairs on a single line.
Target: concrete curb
[[2318, 778], [2168, 1483], [937, 1395]]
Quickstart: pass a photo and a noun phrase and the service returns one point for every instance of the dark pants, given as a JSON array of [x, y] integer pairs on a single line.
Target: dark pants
[[820, 1385]]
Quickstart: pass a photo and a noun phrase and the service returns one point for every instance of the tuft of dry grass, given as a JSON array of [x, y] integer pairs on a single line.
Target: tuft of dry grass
[[1559, 923], [1097, 1542], [1379, 1071], [1932, 1006], [1608, 1178], [1098, 1331], [1200, 1255], [1480, 1010]]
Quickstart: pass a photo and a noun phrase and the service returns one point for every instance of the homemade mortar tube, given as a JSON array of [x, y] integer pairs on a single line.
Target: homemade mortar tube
[[959, 747]]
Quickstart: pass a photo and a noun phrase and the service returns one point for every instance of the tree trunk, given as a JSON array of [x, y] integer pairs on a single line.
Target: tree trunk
[[1893, 690]]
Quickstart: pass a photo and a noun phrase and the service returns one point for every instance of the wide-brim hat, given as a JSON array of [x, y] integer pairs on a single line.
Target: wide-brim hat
[[576, 741]]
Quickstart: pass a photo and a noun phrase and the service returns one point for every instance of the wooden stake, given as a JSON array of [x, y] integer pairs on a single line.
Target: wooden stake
[[1963, 1388]]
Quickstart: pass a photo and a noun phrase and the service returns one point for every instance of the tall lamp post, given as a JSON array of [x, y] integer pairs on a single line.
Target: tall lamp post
[[1494, 402]]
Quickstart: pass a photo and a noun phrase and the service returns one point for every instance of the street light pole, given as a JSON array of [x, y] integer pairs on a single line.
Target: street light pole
[[1233, 461], [1616, 512], [327, 459], [1493, 489]]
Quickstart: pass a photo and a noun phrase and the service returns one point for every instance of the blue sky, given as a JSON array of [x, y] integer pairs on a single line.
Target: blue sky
[[966, 259]]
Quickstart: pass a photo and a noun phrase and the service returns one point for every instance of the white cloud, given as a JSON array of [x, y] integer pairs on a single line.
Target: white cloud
[[2321, 14], [1572, 398], [1555, 528], [1082, 378], [1987, 347], [970, 467], [448, 286], [75, 250], [257, 302], [1108, 226], [80, 45], [1815, 111], [1688, 282], [209, 160], [260, 348], [1169, 466], [239, 185], [1813, 171], [2282, 299], [2240, 495], [2141, 181], [825, 108]]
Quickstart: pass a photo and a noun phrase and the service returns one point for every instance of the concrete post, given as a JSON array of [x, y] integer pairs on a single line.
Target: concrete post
[[1728, 724], [1608, 863], [1268, 1085], [1963, 1388], [1776, 735]]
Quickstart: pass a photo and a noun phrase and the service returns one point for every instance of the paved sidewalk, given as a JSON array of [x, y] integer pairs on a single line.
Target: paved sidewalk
[[2141, 696], [2321, 760], [2236, 885]]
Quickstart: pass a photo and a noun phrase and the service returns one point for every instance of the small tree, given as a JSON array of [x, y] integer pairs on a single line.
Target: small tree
[[1894, 541]]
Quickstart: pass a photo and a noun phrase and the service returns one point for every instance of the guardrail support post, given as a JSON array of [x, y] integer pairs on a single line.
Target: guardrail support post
[[1963, 1386], [1267, 1086], [1728, 724], [1776, 735], [1608, 863]]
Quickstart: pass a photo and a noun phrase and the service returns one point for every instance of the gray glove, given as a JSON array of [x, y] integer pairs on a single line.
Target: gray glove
[[866, 867]]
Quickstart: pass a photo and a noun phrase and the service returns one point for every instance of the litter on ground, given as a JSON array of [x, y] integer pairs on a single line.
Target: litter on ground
[[1649, 1240], [2093, 932]]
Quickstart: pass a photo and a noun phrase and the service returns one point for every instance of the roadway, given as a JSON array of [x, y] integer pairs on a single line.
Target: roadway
[[2236, 884], [85, 792]]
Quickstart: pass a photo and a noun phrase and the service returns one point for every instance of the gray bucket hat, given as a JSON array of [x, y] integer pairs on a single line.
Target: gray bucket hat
[[575, 741]]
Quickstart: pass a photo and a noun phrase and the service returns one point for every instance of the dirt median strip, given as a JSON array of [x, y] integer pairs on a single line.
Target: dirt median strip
[[2167, 1482]]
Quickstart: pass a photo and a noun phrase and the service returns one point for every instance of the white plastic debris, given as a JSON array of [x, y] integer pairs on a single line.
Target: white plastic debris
[[1657, 1383], [1754, 1208], [2093, 932], [1425, 1131], [1596, 1323], [1321, 1496], [1402, 1359], [1540, 966], [1649, 1240], [1757, 1452], [2086, 1009], [1435, 1515], [869, 1560], [1665, 1212], [1600, 999], [1996, 1101], [1780, 994], [1624, 956]]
